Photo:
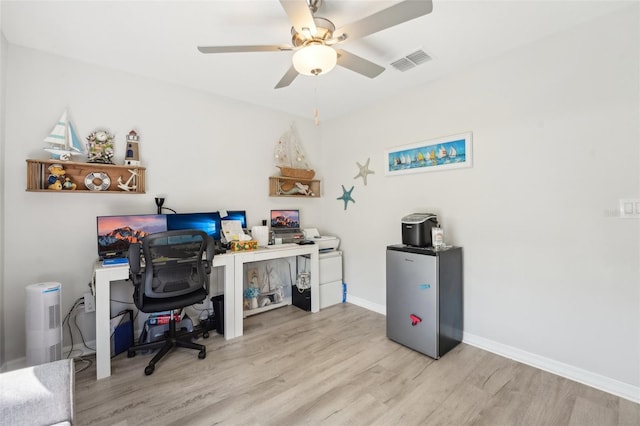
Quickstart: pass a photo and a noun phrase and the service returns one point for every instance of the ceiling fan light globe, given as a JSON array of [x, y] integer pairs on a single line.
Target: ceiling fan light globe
[[315, 59]]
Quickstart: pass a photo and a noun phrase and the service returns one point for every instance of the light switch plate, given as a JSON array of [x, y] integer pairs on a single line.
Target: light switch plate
[[630, 208]]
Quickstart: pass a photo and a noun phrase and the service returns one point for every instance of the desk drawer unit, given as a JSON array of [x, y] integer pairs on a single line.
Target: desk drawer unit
[[330, 278]]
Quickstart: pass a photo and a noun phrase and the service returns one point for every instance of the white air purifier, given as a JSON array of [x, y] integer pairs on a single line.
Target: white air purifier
[[43, 323]]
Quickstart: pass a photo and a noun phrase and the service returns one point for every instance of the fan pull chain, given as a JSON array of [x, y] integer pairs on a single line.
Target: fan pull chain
[[316, 119]]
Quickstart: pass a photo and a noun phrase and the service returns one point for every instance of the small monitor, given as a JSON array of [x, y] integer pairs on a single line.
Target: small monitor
[[285, 219], [207, 222], [240, 215], [117, 233]]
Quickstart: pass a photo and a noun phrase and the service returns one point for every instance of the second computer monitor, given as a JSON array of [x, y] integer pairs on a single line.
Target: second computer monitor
[[207, 222]]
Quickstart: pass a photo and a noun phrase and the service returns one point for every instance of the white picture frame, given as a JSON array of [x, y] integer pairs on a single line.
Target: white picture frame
[[445, 153]]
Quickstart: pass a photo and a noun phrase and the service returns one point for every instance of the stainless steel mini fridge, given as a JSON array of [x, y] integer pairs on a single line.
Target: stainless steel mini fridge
[[424, 298]]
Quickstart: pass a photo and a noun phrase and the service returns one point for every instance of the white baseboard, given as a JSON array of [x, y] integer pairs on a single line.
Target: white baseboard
[[14, 364], [381, 309], [79, 350], [606, 384], [594, 380]]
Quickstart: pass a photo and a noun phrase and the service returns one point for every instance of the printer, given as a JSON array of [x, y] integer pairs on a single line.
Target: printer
[[325, 243]]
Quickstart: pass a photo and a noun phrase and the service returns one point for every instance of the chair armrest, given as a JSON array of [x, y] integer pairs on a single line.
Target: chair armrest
[[210, 251], [134, 258]]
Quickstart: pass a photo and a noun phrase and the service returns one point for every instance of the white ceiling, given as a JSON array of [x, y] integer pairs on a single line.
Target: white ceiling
[[158, 39]]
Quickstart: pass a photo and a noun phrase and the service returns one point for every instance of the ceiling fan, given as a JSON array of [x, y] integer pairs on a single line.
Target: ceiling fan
[[313, 38]]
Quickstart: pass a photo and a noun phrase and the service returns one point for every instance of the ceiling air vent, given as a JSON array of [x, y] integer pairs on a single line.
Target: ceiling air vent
[[411, 60]]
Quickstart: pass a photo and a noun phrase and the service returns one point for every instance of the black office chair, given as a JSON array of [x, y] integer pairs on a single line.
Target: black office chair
[[175, 274]]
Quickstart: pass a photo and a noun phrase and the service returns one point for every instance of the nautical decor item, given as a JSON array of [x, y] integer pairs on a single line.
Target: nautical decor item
[[364, 171], [298, 188], [63, 140], [131, 157], [57, 179], [130, 184], [100, 144], [290, 157], [97, 181], [346, 196]]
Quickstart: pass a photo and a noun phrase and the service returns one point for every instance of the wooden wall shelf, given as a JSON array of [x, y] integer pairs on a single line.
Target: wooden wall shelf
[[280, 186], [79, 173]]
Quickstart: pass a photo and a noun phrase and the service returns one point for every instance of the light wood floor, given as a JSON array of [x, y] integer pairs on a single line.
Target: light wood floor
[[332, 368]]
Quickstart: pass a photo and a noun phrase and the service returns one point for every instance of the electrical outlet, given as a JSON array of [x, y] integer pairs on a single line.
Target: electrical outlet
[[89, 302]]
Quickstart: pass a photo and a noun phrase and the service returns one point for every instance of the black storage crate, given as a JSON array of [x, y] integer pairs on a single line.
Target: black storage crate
[[301, 298]]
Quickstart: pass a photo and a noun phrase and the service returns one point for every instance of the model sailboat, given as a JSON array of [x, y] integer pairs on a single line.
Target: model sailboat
[[290, 157], [63, 141]]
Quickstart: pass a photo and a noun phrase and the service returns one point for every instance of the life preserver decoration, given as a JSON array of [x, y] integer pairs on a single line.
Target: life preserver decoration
[[97, 181]]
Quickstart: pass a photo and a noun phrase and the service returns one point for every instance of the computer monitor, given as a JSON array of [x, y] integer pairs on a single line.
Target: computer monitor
[[207, 222], [116, 233], [240, 215], [285, 219]]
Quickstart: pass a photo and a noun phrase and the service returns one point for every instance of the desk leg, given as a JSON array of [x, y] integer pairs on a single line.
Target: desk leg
[[315, 282], [103, 324], [229, 301], [238, 288]]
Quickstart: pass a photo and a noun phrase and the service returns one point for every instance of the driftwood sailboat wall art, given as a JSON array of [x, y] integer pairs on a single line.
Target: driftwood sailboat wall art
[[290, 157]]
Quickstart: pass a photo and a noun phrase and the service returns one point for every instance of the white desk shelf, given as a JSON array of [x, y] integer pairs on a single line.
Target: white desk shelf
[[248, 312]]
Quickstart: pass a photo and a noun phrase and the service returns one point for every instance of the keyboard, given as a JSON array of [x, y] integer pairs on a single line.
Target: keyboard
[[115, 261]]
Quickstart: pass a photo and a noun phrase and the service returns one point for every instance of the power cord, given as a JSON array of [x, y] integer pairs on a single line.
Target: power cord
[[73, 311], [78, 302], [88, 363], [122, 315], [137, 311]]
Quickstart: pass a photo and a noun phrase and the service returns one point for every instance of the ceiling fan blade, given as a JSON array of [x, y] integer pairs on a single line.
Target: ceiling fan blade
[[237, 49], [300, 16], [387, 18], [358, 64], [288, 78]]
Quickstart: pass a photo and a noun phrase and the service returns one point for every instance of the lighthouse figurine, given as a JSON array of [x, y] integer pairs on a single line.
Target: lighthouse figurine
[[132, 157]]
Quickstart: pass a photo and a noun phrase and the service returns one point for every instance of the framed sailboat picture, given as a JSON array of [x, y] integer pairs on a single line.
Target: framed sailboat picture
[[450, 152]]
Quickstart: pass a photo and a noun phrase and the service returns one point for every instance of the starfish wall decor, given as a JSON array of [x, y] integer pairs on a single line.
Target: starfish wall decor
[[364, 171], [346, 196]]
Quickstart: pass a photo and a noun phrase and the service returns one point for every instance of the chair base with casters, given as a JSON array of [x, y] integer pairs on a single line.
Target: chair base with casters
[[173, 339]]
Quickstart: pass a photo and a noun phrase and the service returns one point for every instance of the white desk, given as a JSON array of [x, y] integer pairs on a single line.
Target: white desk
[[233, 264]]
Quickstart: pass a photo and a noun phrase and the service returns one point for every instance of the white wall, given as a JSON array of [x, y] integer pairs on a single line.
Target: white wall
[[204, 152], [549, 273], [3, 67]]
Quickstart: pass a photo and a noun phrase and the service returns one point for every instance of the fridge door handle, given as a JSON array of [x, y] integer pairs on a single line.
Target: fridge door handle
[[415, 320]]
